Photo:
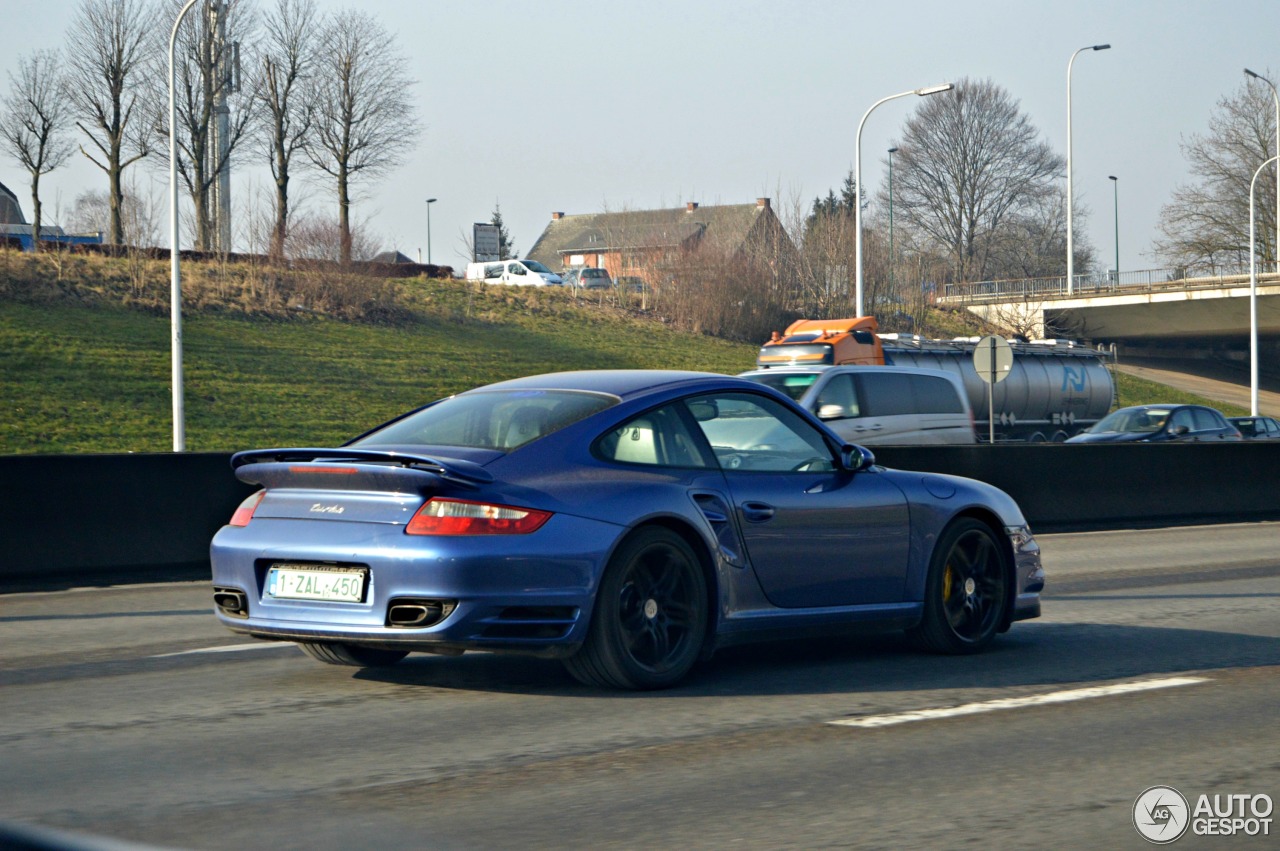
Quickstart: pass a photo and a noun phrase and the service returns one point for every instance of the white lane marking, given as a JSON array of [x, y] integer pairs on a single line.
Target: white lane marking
[[1016, 702], [229, 648]]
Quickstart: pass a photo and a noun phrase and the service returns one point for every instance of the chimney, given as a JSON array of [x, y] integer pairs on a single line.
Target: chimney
[[555, 217], [690, 206], [762, 203]]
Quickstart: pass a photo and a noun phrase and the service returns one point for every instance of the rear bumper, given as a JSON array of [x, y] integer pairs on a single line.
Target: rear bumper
[[526, 593]]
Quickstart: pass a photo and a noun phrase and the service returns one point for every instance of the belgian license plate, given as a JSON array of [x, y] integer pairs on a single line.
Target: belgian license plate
[[317, 582]]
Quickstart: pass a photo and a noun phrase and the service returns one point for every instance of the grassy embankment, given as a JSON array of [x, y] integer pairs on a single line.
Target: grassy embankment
[[84, 351]]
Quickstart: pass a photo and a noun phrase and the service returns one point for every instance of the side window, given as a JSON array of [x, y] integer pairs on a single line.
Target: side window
[[515, 268], [493, 270], [1206, 420], [1182, 418], [837, 401], [658, 438], [885, 394], [749, 432], [935, 395]]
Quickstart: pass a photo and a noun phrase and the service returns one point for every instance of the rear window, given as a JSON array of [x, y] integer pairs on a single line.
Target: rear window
[[496, 419]]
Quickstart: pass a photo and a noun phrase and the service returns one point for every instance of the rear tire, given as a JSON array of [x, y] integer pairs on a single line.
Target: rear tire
[[965, 592], [332, 653], [650, 616]]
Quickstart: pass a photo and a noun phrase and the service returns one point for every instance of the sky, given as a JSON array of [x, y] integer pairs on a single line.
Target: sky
[[605, 105]]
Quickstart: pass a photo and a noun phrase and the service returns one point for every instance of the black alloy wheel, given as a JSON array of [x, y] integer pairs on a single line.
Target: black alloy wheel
[[650, 615], [966, 591]]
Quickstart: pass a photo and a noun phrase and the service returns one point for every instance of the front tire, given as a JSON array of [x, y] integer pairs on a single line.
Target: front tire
[[650, 616], [333, 653], [965, 592]]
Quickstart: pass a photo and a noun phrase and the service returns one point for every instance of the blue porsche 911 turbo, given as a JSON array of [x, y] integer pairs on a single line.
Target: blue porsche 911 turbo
[[627, 522]]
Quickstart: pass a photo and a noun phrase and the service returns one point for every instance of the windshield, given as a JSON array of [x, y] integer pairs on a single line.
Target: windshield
[[1133, 420], [792, 352], [790, 383], [535, 266], [497, 419]]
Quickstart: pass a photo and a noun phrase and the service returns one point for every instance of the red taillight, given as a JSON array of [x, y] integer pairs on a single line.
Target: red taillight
[[245, 512], [459, 517]]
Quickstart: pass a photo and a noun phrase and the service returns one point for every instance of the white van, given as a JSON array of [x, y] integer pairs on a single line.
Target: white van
[[528, 273], [883, 405]]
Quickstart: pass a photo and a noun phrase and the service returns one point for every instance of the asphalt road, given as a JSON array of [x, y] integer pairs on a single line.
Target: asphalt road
[[236, 744]]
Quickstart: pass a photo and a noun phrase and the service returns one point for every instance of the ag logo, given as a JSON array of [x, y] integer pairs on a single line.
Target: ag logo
[[1161, 814]]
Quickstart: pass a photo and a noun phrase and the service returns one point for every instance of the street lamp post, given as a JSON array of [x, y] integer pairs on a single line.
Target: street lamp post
[[892, 151], [1115, 192], [1071, 259], [857, 182], [1253, 297], [175, 275], [1275, 97], [430, 201]]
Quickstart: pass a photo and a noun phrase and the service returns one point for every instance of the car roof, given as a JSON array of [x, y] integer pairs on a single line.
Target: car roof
[[617, 382]]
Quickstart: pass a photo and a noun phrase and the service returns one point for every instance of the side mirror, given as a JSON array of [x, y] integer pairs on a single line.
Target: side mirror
[[856, 458], [1179, 430], [830, 412]]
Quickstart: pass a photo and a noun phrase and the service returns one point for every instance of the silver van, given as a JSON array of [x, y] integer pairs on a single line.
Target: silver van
[[883, 405]]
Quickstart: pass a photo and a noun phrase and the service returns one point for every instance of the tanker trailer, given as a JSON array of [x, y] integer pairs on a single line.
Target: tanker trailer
[[1054, 390]]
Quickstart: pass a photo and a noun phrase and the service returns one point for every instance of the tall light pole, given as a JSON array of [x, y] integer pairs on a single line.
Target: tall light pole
[[175, 276], [430, 201], [1253, 297], [1275, 97], [1071, 257], [892, 151], [1115, 191], [857, 182]]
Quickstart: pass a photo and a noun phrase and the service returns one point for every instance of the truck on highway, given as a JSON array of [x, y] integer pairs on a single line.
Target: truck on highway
[[1055, 389]]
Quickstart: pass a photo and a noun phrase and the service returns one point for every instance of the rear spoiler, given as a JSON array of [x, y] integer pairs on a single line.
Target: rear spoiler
[[459, 472]]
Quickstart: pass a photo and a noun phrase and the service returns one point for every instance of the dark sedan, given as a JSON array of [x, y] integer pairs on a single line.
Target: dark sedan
[[1257, 428], [1159, 424], [627, 522]]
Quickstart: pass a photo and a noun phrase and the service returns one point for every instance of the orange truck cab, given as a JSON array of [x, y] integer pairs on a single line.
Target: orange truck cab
[[810, 342]]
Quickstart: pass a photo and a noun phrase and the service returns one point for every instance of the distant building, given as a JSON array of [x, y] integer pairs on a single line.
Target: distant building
[[395, 257], [636, 242], [15, 228], [10, 211]]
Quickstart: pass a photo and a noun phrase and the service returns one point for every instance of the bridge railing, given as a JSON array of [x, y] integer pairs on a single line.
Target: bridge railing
[[1107, 283]]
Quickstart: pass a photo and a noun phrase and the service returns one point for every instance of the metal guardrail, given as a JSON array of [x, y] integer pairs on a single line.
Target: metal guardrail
[[1142, 281]]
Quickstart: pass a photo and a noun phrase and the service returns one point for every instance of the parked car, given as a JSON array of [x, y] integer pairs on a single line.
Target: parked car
[[879, 405], [1256, 428], [631, 284], [588, 278], [529, 273], [1159, 423], [628, 522]]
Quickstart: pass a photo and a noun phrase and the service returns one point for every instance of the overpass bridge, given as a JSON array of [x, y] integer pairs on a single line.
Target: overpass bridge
[[1146, 311]]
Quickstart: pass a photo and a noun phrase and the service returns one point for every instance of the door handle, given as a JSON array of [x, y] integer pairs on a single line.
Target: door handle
[[757, 512]]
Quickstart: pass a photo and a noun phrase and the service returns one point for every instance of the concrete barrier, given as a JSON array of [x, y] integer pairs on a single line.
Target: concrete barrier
[[105, 519], [101, 519]]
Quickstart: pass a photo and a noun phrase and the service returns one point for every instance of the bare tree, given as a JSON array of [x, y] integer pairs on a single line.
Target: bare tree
[[111, 50], [1206, 224], [209, 128], [33, 119], [364, 118], [967, 167], [286, 59]]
